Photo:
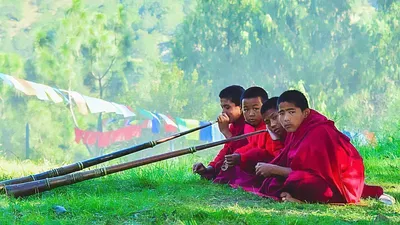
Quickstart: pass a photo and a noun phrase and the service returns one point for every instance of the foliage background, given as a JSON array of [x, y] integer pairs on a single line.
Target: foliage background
[[175, 56]]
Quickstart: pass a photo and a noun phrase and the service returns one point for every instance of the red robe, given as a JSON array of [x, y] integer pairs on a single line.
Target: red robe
[[325, 165], [236, 129], [261, 148]]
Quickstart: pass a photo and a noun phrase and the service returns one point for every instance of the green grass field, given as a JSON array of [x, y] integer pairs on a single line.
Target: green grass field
[[168, 193]]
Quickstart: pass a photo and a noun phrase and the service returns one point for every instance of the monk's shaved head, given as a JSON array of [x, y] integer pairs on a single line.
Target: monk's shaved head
[[230, 102], [295, 97], [270, 116], [252, 100], [293, 109], [232, 93], [255, 92], [271, 103]]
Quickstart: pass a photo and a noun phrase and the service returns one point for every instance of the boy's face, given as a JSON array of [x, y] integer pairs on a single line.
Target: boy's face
[[291, 116], [271, 119], [251, 110], [229, 108]]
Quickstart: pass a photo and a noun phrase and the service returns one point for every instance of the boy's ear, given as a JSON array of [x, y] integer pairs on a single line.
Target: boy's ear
[[307, 112]]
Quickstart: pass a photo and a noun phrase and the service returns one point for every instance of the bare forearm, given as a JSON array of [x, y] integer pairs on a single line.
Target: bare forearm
[[282, 171]]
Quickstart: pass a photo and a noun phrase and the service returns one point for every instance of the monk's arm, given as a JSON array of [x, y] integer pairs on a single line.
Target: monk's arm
[[268, 169], [281, 171]]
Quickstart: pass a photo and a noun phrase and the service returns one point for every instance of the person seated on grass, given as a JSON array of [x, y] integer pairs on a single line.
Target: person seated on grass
[[267, 145], [260, 145], [318, 163], [231, 123], [270, 147]]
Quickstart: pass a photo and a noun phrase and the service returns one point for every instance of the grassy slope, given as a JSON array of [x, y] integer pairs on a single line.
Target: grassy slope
[[167, 193]]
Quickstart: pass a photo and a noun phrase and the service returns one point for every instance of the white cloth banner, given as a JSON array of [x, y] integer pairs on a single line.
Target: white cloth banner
[[97, 105]]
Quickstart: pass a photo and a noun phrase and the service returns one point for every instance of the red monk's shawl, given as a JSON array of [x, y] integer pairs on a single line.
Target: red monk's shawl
[[322, 159]]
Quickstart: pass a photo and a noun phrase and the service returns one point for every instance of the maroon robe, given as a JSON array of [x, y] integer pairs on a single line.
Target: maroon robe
[[325, 165]]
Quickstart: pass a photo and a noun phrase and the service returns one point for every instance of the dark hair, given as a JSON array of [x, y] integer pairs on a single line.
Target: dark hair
[[232, 93], [254, 92], [269, 104], [295, 97]]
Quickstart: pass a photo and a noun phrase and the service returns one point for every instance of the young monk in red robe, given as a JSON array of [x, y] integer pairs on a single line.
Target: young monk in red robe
[[306, 181], [252, 100], [318, 163], [270, 115], [231, 123], [271, 144]]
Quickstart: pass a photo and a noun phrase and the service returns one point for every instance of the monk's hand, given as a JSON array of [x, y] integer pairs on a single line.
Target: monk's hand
[[232, 160], [265, 169], [223, 125], [199, 168]]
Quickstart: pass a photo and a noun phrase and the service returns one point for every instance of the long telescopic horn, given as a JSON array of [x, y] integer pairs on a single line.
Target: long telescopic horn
[[35, 187], [97, 160]]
